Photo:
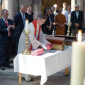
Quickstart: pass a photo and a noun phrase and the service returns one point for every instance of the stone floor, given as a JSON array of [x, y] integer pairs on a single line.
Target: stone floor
[[8, 77]]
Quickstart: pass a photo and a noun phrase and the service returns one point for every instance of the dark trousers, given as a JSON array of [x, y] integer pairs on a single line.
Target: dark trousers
[[5, 52]]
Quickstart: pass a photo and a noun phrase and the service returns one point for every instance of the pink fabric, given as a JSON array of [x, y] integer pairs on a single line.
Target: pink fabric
[[49, 46], [37, 52]]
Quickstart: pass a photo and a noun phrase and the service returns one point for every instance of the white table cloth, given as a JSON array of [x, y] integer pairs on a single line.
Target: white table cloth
[[43, 65]]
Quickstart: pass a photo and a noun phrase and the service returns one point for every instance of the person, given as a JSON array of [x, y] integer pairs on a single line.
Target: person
[[64, 9], [36, 38], [60, 21], [68, 16], [6, 34], [19, 20], [76, 20], [52, 17], [47, 25], [30, 13], [56, 9]]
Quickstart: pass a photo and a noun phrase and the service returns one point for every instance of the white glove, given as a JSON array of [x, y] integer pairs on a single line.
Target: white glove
[[44, 46]]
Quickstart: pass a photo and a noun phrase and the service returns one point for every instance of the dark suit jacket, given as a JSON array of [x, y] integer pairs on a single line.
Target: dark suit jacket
[[19, 26], [78, 20], [3, 30]]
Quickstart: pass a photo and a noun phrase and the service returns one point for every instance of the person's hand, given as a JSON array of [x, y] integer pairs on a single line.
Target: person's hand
[[49, 46], [61, 25], [54, 23], [76, 25], [12, 26], [37, 52]]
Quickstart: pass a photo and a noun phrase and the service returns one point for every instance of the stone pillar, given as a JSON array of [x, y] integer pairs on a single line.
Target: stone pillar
[[0, 10], [36, 7], [84, 12], [73, 2], [80, 2], [3, 4], [12, 7], [25, 2]]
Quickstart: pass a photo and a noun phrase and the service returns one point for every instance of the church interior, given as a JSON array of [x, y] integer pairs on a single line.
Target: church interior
[[64, 62]]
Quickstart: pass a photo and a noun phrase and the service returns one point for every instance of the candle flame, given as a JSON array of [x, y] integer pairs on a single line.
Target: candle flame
[[79, 35]]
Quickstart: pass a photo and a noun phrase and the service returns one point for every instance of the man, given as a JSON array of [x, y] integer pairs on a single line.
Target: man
[[36, 37], [19, 20], [6, 32], [76, 20], [68, 19]]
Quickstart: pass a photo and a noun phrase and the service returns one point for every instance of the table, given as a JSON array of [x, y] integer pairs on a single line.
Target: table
[[44, 65]]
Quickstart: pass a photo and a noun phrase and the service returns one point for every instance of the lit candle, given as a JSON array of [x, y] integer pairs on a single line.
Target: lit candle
[[78, 60], [26, 25]]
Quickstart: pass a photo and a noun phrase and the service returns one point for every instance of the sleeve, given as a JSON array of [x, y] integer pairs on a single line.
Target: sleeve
[[16, 17], [56, 19], [3, 29], [72, 19], [81, 18], [66, 16], [35, 43], [42, 38]]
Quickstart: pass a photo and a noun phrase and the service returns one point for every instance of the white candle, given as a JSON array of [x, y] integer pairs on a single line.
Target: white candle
[[78, 60], [26, 25]]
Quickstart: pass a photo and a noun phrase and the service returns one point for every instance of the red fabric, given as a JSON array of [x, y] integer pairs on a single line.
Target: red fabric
[[37, 52], [7, 26], [35, 26]]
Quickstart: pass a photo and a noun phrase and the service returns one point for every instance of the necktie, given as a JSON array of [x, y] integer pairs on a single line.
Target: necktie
[[6, 23], [7, 26], [23, 19]]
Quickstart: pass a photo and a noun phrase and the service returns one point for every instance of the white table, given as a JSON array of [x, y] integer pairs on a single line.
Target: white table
[[44, 65]]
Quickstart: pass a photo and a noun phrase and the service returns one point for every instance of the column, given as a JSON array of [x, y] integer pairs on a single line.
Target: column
[[0, 8], [84, 12], [73, 2], [36, 7], [80, 2], [12, 7]]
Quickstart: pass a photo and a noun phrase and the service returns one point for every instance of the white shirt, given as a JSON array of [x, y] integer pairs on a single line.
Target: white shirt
[[77, 14], [23, 17], [66, 15]]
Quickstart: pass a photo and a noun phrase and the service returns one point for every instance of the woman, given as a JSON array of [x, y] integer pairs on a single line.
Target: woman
[[60, 21], [30, 13]]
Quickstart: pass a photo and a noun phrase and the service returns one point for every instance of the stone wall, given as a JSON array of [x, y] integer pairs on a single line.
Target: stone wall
[[26, 2]]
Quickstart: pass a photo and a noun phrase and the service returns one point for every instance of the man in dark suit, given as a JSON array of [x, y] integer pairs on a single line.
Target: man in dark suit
[[76, 20], [6, 32], [19, 20]]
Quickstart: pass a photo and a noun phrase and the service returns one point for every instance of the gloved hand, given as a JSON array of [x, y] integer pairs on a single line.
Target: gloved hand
[[37, 52], [44, 46], [49, 46]]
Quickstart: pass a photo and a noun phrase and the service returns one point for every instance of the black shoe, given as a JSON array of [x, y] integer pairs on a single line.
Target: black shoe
[[2, 68], [9, 66]]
